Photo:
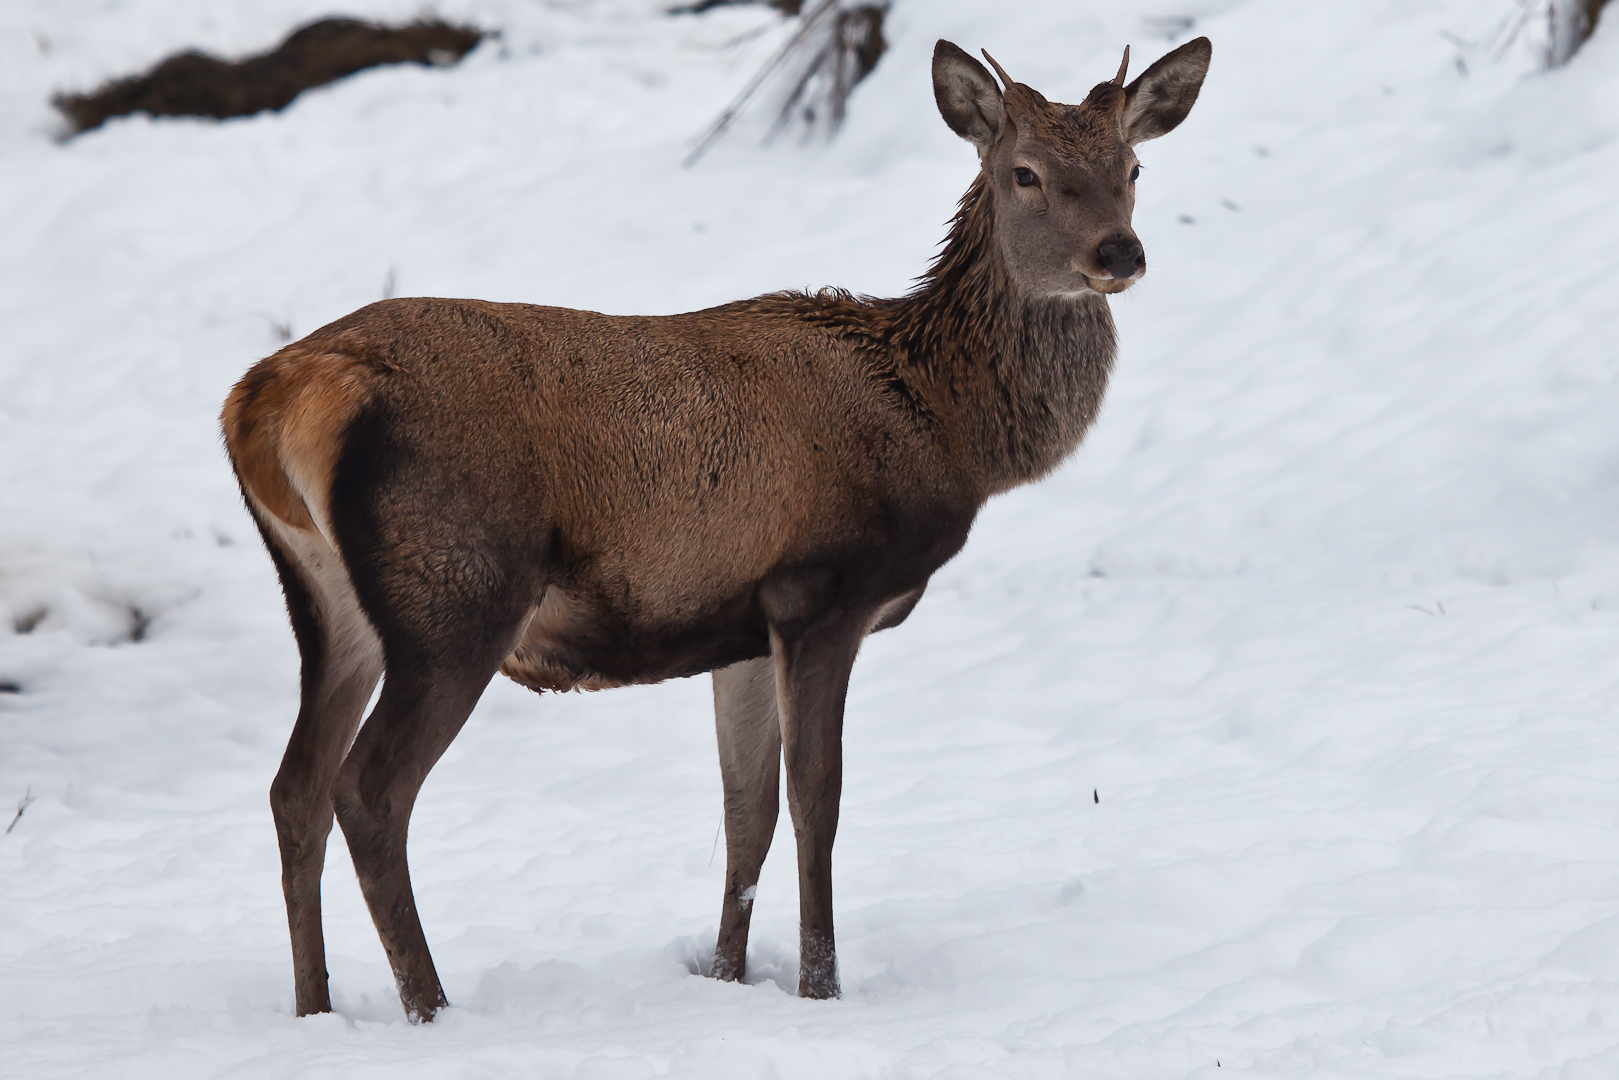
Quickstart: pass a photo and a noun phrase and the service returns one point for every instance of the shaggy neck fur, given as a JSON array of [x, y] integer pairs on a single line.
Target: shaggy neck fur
[[1012, 382], [1021, 377]]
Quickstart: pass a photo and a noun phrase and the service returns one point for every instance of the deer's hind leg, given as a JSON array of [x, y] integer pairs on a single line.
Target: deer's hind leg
[[750, 768], [341, 661], [448, 613]]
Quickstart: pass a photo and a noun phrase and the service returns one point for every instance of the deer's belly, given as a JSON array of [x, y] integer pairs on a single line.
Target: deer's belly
[[571, 643], [574, 643]]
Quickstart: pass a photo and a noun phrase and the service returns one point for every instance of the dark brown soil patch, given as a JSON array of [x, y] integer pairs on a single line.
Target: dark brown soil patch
[[196, 84], [786, 7]]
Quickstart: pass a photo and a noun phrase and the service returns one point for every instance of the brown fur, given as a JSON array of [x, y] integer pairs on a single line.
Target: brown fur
[[284, 425], [582, 501]]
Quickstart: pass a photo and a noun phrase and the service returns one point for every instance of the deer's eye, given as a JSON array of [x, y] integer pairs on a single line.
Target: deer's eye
[[1135, 172], [1025, 177]]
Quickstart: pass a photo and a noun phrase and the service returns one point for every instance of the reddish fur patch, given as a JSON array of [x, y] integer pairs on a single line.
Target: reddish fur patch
[[284, 424]]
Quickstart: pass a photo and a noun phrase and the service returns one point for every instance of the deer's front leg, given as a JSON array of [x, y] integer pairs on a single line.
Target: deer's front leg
[[812, 680]]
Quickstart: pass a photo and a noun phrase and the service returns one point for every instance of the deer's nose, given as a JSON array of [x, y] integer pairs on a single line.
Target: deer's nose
[[1122, 256]]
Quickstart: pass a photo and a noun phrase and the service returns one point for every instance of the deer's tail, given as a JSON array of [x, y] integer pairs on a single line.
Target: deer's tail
[[285, 425]]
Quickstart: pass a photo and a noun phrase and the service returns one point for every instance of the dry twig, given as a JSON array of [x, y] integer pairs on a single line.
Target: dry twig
[[27, 801], [835, 46]]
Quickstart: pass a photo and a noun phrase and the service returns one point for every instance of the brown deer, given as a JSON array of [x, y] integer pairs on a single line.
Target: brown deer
[[450, 488]]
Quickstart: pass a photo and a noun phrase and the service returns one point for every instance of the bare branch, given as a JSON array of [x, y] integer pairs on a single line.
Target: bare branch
[[27, 801]]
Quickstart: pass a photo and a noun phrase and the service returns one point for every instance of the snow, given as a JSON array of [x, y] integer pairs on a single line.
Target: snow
[[1272, 735]]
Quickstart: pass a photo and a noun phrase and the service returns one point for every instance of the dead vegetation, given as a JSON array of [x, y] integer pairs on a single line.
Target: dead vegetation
[[836, 45], [1565, 24], [29, 620], [118, 622], [193, 83], [846, 53], [1569, 22], [786, 7], [28, 799]]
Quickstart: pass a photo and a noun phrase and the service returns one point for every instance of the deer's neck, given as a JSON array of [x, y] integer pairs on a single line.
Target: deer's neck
[[1016, 380]]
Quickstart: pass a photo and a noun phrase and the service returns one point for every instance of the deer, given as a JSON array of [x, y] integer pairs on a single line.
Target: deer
[[452, 488]]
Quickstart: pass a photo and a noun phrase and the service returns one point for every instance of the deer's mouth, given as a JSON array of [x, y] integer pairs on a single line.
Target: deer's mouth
[[1110, 285]]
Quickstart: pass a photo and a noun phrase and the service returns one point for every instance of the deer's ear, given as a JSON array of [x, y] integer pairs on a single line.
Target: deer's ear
[[1160, 98], [968, 98]]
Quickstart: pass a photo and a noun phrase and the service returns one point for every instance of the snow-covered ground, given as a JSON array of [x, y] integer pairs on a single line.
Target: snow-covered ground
[[1325, 613]]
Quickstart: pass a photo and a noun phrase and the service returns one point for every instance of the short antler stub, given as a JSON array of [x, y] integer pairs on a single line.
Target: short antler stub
[[1124, 65], [1006, 80]]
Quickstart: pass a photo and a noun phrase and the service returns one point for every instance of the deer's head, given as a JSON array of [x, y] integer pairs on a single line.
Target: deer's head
[[1063, 177]]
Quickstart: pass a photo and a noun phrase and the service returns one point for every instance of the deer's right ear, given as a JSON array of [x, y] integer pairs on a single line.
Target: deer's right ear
[[968, 98]]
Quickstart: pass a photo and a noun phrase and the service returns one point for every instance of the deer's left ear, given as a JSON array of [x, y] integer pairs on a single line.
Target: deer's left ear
[[1160, 98]]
